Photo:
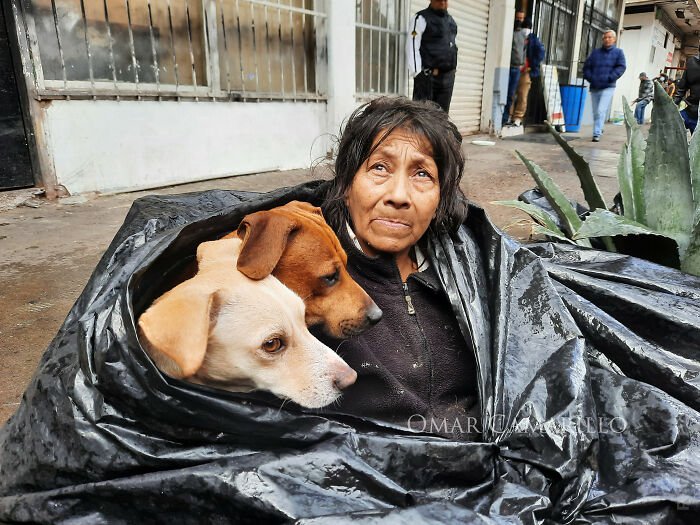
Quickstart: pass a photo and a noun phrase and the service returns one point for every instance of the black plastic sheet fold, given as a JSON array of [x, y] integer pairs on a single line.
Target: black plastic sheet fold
[[588, 372]]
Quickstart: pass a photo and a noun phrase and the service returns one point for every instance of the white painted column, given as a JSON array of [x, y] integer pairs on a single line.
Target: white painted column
[[498, 46], [340, 30]]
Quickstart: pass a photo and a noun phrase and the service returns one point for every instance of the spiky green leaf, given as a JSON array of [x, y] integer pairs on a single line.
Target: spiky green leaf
[[694, 154], [601, 223], [691, 260], [537, 213], [591, 191], [555, 196], [624, 179], [542, 230], [667, 189], [637, 144]]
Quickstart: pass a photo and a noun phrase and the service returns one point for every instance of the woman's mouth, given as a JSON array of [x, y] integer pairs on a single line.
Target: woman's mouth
[[394, 224]]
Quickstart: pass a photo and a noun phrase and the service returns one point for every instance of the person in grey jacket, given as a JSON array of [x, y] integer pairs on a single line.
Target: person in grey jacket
[[646, 95]]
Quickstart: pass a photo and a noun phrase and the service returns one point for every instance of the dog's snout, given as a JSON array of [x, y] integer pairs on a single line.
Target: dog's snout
[[374, 314], [344, 379]]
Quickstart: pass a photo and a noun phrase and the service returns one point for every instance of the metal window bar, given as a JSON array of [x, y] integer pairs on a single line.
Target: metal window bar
[[87, 47], [359, 30], [305, 39], [177, 48], [189, 43], [224, 34], [240, 49], [379, 22], [293, 61], [134, 63], [60, 46], [154, 52], [172, 47]]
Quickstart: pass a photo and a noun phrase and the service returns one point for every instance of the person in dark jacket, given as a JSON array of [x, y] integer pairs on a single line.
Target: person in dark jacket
[[646, 95], [534, 55], [397, 174], [602, 69], [688, 89], [432, 54], [517, 62]]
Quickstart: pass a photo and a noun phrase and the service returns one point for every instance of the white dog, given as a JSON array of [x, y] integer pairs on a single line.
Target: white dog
[[222, 329]]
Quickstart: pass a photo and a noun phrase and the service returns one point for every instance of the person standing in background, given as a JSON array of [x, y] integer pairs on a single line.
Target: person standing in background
[[517, 62], [688, 90], [432, 54], [602, 69], [646, 95], [534, 54]]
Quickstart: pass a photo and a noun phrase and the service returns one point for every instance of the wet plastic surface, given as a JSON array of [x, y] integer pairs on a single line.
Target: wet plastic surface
[[588, 374]]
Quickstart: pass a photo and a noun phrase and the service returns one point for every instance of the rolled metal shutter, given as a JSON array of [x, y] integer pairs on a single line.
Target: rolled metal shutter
[[472, 17]]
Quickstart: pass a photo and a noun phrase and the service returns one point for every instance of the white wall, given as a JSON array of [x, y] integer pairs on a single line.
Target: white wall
[[110, 146], [341, 62], [637, 45]]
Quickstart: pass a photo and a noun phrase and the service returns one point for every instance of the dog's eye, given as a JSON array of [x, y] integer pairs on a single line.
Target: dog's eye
[[332, 279], [274, 345]]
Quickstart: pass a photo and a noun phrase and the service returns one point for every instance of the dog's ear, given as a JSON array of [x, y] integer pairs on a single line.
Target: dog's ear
[[176, 329], [304, 207], [265, 235]]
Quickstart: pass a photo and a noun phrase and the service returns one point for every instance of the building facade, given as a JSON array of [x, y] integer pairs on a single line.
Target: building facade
[[120, 95], [657, 36]]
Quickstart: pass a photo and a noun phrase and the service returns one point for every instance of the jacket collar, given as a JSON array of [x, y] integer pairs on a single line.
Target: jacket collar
[[382, 268]]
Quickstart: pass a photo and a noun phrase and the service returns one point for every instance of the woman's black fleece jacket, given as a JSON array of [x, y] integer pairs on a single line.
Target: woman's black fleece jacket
[[414, 366]]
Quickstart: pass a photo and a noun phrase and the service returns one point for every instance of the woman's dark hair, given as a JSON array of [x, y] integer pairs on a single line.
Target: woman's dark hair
[[381, 117]]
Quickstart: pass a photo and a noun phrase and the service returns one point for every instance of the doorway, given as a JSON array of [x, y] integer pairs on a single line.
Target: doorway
[[15, 160]]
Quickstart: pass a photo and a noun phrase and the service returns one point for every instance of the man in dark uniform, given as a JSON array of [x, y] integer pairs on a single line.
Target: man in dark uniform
[[689, 84], [432, 54]]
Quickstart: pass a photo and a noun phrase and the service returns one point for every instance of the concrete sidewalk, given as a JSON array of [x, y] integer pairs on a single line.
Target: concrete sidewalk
[[49, 249]]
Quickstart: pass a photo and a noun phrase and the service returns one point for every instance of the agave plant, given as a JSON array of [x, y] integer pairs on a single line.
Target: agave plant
[[659, 182]]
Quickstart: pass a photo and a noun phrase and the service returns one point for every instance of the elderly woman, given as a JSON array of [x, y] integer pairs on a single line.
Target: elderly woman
[[397, 176]]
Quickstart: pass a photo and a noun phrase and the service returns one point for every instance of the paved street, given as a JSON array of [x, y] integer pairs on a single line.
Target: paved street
[[49, 249]]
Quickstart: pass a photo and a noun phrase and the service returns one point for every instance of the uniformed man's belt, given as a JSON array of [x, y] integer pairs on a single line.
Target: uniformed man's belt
[[439, 71]]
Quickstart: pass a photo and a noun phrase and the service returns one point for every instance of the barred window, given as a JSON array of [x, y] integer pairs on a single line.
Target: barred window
[[555, 22], [203, 48], [379, 47], [268, 48]]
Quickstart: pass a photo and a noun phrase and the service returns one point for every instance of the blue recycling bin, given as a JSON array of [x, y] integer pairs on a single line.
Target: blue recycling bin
[[573, 100]]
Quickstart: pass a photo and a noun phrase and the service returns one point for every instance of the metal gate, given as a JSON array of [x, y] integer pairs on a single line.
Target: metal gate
[[472, 19]]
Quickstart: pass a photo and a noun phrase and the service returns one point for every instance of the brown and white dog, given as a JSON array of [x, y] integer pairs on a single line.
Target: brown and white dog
[[296, 245], [224, 329]]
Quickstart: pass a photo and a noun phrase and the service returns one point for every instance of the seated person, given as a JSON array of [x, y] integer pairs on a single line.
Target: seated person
[[397, 174]]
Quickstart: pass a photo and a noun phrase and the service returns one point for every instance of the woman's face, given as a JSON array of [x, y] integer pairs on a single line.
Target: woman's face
[[395, 194]]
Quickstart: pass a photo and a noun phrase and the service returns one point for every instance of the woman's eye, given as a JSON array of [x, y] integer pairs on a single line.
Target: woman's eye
[[378, 167], [332, 279], [274, 345], [422, 174]]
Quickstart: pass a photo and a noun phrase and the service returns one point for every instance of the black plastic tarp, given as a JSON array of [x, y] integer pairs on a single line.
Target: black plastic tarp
[[587, 370]]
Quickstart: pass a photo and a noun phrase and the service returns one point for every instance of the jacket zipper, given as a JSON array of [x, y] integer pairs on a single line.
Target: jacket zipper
[[412, 311], [409, 301]]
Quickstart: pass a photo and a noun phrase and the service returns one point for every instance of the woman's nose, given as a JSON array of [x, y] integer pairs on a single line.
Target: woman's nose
[[398, 192]]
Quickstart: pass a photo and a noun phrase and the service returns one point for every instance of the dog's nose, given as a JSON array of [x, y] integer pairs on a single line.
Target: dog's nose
[[374, 314], [345, 379]]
